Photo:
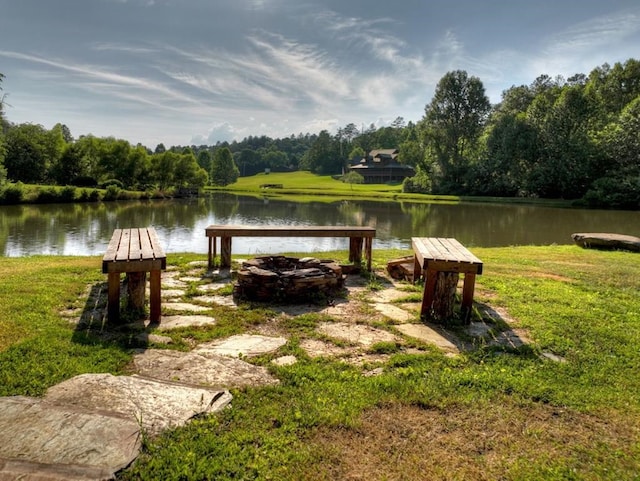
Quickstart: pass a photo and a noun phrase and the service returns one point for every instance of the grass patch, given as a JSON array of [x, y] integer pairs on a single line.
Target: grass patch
[[303, 186]]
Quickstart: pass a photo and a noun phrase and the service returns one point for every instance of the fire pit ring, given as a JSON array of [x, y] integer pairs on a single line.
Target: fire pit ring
[[290, 279]]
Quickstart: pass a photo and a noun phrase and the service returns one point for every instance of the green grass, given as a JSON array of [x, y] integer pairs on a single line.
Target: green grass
[[305, 186], [490, 413]]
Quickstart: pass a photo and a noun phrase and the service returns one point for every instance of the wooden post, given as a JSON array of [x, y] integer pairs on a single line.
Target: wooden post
[[154, 297], [225, 251], [113, 297], [355, 250]]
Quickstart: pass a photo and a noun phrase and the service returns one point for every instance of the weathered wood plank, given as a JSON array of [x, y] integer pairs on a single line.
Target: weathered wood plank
[[123, 248], [288, 231]]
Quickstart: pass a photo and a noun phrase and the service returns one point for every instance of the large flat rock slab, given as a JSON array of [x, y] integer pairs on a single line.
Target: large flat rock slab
[[243, 345], [428, 335], [601, 240], [201, 368], [38, 436], [155, 404]]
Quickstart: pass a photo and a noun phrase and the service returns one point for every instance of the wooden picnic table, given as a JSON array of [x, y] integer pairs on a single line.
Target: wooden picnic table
[[357, 235], [135, 252]]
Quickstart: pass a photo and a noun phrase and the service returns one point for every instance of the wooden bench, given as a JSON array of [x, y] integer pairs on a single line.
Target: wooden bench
[[357, 236], [134, 252], [435, 255]]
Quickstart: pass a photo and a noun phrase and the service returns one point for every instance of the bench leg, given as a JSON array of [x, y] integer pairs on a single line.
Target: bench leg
[[417, 269], [355, 250], [113, 297], [210, 253], [154, 296], [368, 243], [467, 295], [429, 291], [225, 251]]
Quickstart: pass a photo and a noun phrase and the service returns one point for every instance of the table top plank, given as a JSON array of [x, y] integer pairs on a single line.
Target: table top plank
[[123, 248], [134, 250], [443, 250], [136, 247], [290, 231]]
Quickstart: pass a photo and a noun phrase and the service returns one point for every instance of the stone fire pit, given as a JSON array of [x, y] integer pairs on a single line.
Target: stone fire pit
[[280, 278]]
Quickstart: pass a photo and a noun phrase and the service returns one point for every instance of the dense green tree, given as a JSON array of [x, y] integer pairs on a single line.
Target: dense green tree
[[204, 159], [187, 172], [30, 152], [453, 122], [223, 169], [323, 157], [249, 161]]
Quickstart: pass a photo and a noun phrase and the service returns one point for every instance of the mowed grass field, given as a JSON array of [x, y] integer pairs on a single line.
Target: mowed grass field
[[564, 407]]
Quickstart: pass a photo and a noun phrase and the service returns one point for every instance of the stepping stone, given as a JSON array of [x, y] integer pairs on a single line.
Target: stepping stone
[[155, 404], [201, 368], [316, 348], [214, 286], [394, 312], [426, 334], [356, 333], [285, 361], [42, 441], [243, 345], [184, 307], [172, 293], [226, 301], [173, 322]]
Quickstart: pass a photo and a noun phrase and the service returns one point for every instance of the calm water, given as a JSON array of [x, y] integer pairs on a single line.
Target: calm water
[[85, 229]]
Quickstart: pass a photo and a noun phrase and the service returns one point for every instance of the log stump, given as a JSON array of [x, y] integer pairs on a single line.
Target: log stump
[[136, 285], [445, 296]]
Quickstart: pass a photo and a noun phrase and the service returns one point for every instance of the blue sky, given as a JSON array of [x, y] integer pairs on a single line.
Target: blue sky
[[187, 72]]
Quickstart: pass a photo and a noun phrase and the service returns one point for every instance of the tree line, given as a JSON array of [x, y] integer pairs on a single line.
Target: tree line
[[574, 139]]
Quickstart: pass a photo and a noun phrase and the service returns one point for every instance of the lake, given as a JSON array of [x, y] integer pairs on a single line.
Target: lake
[[85, 229]]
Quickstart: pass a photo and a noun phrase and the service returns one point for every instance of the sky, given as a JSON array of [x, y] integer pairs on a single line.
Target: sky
[[196, 72]]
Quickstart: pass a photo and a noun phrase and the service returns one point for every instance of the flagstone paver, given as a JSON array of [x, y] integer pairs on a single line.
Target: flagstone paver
[[243, 345], [154, 404], [201, 368]]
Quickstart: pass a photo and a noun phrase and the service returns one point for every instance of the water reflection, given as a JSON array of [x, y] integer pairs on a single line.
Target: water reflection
[[85, 229]]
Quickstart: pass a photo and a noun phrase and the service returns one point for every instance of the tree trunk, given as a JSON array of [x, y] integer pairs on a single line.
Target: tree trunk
[[136, 284], [445, 296]]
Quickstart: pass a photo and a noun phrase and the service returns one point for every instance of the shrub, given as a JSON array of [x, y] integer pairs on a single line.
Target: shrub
[[105, 184], [67, 194], [47, 195], [614, 193], [12, 194], [112, 193], [418, 184]]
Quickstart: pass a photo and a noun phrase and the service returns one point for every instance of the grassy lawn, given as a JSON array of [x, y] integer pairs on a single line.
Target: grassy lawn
[[303, 185], [563, 407]]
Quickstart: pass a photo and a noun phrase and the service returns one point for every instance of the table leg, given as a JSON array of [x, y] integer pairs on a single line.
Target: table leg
[[113, 297], [467, 294], [225, 251], [154, 297], [431, 276], [368, 243]]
